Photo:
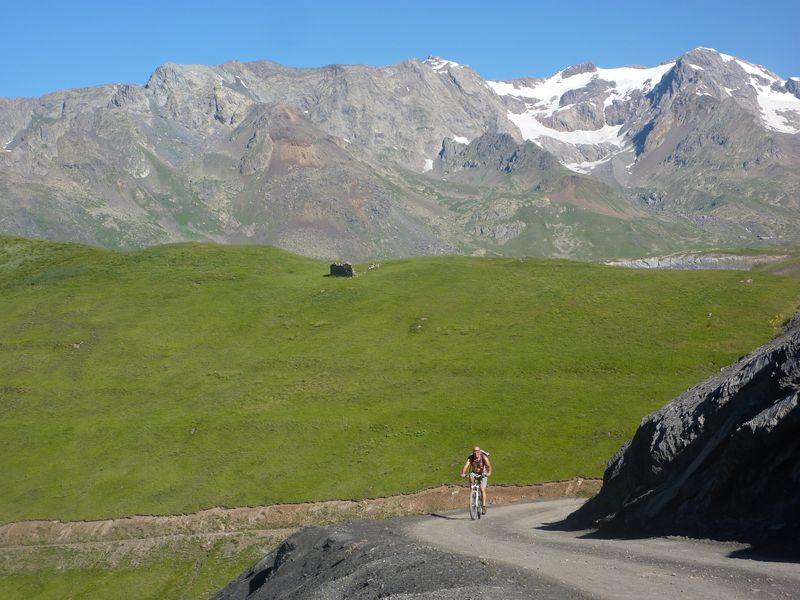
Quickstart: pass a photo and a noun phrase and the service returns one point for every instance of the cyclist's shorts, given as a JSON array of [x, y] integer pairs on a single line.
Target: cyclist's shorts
[[484, 479]]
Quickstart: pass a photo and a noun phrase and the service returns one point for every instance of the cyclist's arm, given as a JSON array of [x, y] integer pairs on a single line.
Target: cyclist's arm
[[488, 465], [464, 468]]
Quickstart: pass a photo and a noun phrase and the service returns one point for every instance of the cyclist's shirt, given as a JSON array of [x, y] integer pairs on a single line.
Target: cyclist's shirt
[[478, 464]]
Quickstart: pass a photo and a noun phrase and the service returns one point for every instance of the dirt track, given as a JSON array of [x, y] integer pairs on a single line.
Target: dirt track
[[519, 536], [110, 542], [275, 516]]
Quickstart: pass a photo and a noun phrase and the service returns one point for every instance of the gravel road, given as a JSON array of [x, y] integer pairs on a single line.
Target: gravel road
[[519, 536]]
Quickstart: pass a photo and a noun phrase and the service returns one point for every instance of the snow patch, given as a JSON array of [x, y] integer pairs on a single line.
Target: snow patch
[[776, 106], [441, 65], [531, 129], [697, 67], [242, 82], [428, 165], [586, 167], [7, 144], [461, 139], [346, 140], [755, 70], [545, 95], [547, 92]]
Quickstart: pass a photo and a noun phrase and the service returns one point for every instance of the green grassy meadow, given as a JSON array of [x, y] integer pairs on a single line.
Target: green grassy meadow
[[189, 376], [183, 569]]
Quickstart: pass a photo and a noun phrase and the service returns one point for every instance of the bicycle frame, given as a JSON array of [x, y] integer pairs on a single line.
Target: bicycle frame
[[475, 496]]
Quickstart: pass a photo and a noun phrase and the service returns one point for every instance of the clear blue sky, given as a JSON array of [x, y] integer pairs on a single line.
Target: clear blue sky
[[73, 43]]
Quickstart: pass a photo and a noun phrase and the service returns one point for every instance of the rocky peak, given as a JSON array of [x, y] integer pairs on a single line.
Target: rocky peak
[[709, 74], [441, 65], [586, 67], [793, 86]]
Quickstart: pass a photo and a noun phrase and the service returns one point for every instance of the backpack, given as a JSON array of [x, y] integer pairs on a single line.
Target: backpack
[[484, 456]]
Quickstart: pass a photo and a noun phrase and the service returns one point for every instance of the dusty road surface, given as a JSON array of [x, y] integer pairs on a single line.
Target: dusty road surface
[[519, 536]]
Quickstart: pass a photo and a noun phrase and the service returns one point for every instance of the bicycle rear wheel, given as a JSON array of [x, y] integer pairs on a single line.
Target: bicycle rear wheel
[[474, 504]]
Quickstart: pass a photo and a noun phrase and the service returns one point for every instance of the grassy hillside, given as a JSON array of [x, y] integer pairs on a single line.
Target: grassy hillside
[[189, 376], [168, 569], [578, 219], [788, 267]]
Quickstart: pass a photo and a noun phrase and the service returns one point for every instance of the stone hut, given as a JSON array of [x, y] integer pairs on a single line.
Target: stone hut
[[341, 270]]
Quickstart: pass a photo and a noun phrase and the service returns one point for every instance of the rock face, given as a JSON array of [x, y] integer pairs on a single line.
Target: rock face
[[695, 262], [367, 559], [722, 460], [491, 156]]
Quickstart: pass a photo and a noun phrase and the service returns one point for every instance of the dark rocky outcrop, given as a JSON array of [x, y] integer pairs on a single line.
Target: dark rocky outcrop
[[793, 85], [370, 559], [341, 270], [722, 460], [494, 154]]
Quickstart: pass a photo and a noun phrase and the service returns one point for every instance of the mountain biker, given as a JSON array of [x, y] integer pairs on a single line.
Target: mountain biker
[[479, 466]]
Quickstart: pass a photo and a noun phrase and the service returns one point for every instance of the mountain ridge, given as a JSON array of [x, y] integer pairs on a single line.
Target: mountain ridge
[[347, 160]]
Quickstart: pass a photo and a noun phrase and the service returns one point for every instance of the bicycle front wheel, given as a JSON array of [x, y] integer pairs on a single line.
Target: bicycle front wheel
[[474, 504]]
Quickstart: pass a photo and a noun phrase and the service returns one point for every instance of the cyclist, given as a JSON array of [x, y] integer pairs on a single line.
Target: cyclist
[[479, 466]]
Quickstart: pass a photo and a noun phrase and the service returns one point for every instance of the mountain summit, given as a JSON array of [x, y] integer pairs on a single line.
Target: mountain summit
[[421, 157]]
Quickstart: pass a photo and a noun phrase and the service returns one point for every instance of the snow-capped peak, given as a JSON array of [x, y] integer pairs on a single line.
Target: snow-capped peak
[[725, 57], [575, 113], [441, 65], [722, 55], [543, 99]]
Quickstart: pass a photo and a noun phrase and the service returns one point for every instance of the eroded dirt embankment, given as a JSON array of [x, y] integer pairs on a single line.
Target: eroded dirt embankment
[[276, 516]]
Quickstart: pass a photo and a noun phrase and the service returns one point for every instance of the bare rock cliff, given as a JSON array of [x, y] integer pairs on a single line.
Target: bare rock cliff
[[722, 460]]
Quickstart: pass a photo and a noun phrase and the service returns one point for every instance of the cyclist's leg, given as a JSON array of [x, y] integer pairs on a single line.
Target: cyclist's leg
[[484, 481]]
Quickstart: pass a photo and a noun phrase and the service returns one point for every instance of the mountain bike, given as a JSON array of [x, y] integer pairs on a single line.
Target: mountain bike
[[475, 497]]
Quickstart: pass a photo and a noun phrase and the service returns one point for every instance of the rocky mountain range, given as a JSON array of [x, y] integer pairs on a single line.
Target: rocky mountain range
[[422, 157]]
